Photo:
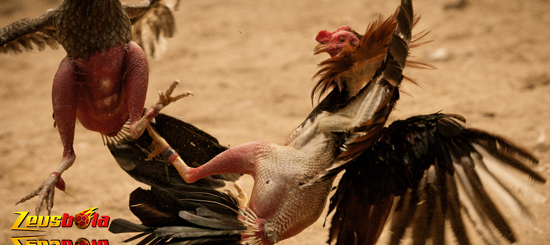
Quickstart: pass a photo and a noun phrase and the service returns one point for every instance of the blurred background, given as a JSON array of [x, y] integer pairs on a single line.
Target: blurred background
[[250, 65]]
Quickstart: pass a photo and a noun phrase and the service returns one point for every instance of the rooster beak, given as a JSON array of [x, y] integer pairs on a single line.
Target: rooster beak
[[320, 48]]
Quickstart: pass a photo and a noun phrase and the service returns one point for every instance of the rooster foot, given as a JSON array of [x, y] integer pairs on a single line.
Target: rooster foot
[[45, 193], [241, 196], [164, 100]]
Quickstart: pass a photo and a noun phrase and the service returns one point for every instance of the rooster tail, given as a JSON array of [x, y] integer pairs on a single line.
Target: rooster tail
[[191, 215]]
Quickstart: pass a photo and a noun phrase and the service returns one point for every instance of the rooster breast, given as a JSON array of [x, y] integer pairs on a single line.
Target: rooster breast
[[283, 207]]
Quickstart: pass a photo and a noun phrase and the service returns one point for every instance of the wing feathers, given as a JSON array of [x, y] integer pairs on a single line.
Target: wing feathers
[[454, 211], [152, 23], [506, 177], [28, 34], [423, 221], [478, 193], [505, 151], [504, 194], [402, 216], [443, 174]]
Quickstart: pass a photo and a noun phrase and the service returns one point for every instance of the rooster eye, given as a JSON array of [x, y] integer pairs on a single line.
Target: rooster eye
[[342, 39]]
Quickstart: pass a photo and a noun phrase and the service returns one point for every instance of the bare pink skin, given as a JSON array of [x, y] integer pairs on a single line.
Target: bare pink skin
[[240, 159], [334, 42], [103, 93], [276, 197], [110, 88]]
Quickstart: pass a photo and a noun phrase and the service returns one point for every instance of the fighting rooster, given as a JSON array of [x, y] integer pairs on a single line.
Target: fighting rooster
[[427, 172], [104, 77]]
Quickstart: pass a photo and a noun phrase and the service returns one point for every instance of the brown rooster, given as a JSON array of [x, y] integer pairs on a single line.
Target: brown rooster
[[427, 172], [104, 77]]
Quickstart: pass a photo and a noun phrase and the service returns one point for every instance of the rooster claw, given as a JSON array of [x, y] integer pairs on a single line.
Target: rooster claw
[[166, 98], [45, 193], [137, 129], [241, 196]]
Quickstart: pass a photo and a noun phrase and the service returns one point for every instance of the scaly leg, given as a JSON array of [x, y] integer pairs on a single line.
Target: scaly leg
[[136, 80], [64, 98], [137, 128], [161, 146]]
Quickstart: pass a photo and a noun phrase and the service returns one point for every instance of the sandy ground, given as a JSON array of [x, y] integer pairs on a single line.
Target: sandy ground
[[250, 67]]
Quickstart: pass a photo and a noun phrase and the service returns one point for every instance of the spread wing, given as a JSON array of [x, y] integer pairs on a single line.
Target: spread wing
[[428, 172], [182, 215], [194, 146], [29, 34], [152, 23]]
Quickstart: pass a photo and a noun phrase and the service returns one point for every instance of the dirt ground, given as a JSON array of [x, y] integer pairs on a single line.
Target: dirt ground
[[250, 65]]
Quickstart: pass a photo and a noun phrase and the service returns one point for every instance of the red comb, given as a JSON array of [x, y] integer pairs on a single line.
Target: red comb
[[325, 36], [343, 28]]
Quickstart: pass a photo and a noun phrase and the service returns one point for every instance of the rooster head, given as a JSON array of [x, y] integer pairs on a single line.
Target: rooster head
[[334, 42]]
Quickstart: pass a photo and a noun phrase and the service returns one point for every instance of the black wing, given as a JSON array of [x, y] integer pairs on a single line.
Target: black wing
[[182, 215], [151, 23], [194, 146], [428, 170], [28, 34]]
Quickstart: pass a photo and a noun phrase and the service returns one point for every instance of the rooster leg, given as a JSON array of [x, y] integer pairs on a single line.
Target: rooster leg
[[137, 128], [161, 146], [159, 143], [64, 100]]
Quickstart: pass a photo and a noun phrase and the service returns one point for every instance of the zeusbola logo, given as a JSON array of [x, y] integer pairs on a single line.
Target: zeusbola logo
[[82, 220]]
